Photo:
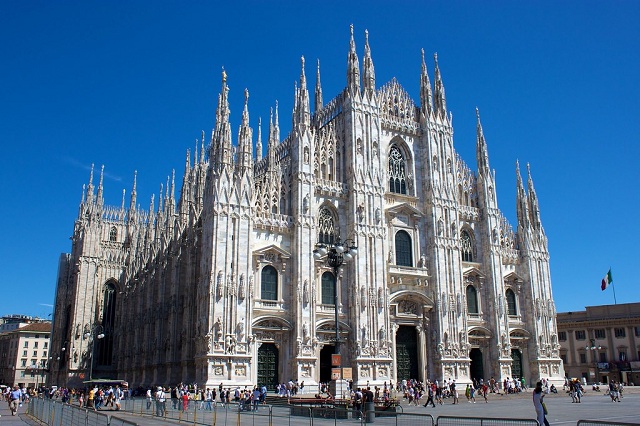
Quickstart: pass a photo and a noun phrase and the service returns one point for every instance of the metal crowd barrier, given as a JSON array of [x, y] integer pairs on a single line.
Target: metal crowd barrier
[[478, 421], [200, 413], [602, 423], [54, 413]]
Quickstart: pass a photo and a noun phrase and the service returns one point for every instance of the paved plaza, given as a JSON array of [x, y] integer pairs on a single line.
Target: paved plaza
[[594, 406]]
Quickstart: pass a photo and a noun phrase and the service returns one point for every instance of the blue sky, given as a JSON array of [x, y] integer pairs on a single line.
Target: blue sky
[[131, 85]]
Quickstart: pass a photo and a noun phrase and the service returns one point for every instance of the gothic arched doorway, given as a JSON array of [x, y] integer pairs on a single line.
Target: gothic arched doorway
[[406, 353], [477, 367], [516, 364], [325, 362], [268, 356]]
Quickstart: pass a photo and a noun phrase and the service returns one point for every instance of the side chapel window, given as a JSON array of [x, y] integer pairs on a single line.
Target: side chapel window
[[328, 288], [269, 283], [397, 171], [465, 247], [511, 302], [472, 300], [326, 227], [404, 255], [113, 234]]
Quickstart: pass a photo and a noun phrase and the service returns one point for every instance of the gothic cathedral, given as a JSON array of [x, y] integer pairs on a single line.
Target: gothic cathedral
[[221, 285]]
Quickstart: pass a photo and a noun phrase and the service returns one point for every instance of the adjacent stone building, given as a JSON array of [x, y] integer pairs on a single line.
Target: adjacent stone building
[[601, 343], [220, 284], [25, 354]]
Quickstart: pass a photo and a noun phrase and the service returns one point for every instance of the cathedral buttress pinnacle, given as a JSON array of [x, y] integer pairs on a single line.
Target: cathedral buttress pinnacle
[[522, 207], [482, 155], [318, 100], [426, 97], [353, 67], [369, 74], [301, 111], [534, 209], [259, 142], [245, 135], [134, 193], [440, 101], [221, 145]]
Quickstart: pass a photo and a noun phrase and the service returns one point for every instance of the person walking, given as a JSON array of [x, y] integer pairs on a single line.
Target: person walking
[[429, 396], [14, 399], [538, 404]]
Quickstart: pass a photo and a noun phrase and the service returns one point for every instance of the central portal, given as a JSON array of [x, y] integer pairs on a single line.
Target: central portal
[[406, 353], [268, 355], [325, 362]]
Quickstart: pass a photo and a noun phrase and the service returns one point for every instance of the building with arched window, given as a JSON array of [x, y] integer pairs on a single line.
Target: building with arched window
[[220, 285]]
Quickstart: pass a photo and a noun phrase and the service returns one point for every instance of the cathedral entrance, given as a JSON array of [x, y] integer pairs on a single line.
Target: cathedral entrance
[[477, 367], [516, 364], [325, 362], [406, 353], [268, 356]]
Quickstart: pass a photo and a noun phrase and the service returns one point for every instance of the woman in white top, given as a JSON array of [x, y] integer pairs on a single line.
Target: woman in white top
[[538, 397]]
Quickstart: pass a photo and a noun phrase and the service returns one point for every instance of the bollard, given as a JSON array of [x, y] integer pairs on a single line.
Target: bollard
[[370, 412]]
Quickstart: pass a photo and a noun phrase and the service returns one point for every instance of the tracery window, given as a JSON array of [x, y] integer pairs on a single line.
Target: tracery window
[[397, 171], [472, 300], [404, 255], [511, 302], [327, 231], [328, 288], [466, 247], [269, 283], [104, 346], [113, 234]]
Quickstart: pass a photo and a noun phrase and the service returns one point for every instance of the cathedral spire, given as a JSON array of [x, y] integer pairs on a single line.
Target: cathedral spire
[[259, 142], [276, 126], [302, 115], [440, 101], [221, 145], [482, 154], [522, 207], [426, 98], [124, 193], [368, 71], [353, 67], [90, 187], [100, 197], [318, 104], [201, 150], [132, 202], [534, 209], [245, 136]]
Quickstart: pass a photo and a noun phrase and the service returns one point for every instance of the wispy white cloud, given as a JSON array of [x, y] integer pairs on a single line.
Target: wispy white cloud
[[75, 163]]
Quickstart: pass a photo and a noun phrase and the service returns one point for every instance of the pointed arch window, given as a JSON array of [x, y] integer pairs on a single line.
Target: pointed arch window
[[466, 248], [328, 288], [472, 300], [269, 283], [113, 234], [397, 171], [511, 302], [326, 227], [404, 254], [104, 346]]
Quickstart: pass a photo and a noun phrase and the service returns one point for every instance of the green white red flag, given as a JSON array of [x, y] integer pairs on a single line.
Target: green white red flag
[[606, 280]]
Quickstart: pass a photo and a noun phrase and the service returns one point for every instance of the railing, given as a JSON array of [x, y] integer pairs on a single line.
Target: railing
[[54, 413], [478, 421], [602, 423]]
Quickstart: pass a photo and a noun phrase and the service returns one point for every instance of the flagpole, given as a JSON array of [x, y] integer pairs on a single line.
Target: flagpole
[[614, 290]]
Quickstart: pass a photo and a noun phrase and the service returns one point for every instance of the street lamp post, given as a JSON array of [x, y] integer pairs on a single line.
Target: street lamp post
[[336, 254], [593, 348], [96, 332]]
